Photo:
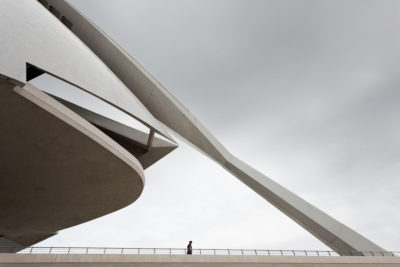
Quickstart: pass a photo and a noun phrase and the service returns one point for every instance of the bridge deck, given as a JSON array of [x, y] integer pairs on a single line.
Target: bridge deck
[[113, 260]]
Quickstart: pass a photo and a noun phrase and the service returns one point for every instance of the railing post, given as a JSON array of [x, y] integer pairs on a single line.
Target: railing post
[[281, 253], [242, 251], [69, 250], [51, 248], [255, 251], [30, 252], [317, 252], [170, 251], [329, 253], [229, 251], [214, 251]]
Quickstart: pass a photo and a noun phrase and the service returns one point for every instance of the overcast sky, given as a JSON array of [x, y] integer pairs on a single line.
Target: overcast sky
[[307, 92]]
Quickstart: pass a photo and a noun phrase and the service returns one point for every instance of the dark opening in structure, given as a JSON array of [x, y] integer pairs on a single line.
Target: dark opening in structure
[[32, 72]]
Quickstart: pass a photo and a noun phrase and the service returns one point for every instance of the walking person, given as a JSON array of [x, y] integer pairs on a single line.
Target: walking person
[[189, 248]]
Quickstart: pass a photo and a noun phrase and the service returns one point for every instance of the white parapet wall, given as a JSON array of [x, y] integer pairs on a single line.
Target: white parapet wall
[[55, 260]]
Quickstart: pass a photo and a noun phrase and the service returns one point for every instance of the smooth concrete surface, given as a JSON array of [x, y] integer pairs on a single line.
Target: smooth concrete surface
[[6, 244], [166, 108], [51, 260], [133, 140], [57, 170], [31, 34]]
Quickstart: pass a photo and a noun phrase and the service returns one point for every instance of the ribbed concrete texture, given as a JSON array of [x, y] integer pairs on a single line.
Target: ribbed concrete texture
[[48, 260]]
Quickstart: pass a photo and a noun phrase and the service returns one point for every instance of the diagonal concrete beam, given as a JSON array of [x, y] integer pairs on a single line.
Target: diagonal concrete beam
[[166, 108]]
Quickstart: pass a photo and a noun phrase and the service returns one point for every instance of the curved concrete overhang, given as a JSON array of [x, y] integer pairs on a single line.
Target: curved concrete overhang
[[32, 35], [147, 148], [57, 170]]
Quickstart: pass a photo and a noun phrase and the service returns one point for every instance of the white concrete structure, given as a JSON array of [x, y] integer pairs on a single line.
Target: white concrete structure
[[58, 170], [65, 44]]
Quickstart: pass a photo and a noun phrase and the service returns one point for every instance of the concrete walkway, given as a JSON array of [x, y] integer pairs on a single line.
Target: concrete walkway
[[50, 260]]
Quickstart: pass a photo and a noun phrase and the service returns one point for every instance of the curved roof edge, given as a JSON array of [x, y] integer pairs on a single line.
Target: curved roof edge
[[32, 35]]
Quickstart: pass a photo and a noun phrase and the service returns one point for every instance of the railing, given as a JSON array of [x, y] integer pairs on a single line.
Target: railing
[[182, 251]]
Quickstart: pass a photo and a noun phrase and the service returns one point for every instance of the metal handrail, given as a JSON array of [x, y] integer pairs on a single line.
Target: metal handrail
[[182, 251]]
